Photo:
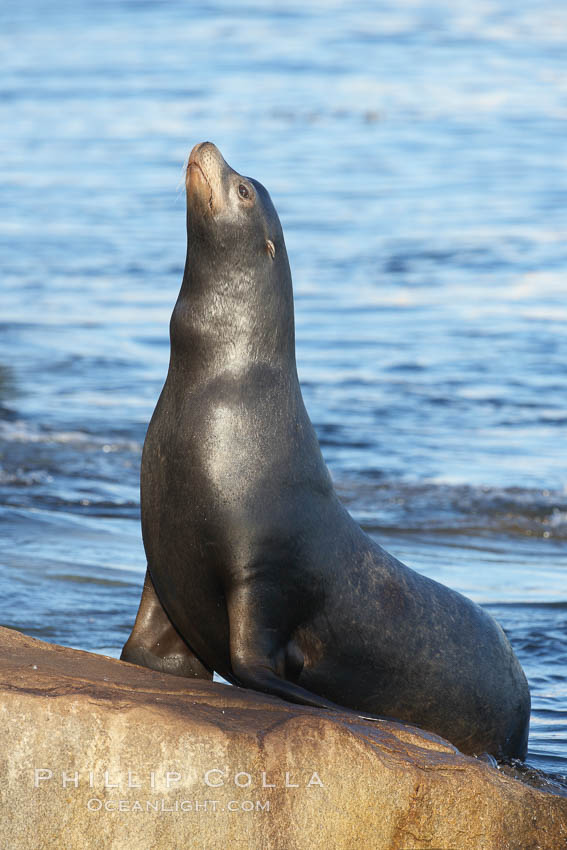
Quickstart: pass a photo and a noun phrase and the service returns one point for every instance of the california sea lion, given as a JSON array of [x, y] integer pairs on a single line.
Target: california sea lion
[[262, 571]]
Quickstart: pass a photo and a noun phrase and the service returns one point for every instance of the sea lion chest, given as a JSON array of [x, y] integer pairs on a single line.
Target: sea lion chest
[[228, 464]]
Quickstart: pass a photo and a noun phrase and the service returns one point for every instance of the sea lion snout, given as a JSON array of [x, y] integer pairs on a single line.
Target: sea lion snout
[[206, 155], [205, 171]]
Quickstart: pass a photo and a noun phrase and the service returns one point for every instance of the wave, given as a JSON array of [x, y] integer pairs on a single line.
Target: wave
[[439, 507], [20, 431]]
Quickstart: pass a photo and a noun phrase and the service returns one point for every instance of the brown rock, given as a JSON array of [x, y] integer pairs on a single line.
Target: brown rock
[[292, 778]]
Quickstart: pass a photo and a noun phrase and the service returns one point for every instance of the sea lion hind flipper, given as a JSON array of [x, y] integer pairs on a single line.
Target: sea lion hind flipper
[[156, 643]]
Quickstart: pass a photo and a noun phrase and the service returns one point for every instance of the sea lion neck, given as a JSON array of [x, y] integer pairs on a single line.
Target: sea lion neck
[[233, 314]]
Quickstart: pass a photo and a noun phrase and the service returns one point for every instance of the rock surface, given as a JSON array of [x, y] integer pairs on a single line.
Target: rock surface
[[97, 753]]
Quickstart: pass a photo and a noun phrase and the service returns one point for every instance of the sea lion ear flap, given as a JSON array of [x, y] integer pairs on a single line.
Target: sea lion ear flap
[[271, 248]]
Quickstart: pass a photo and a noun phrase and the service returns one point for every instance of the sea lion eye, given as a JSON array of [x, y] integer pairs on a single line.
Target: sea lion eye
[[243, 191]]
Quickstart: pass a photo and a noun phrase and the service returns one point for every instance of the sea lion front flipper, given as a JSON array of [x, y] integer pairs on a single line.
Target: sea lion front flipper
[[156, 643], [262, 653]]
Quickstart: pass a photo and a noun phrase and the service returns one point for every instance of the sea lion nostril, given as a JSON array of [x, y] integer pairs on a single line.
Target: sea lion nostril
[[195, 151]]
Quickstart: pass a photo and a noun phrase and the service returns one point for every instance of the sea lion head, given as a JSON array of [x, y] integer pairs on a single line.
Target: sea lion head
[[236, 294], [228, 212]]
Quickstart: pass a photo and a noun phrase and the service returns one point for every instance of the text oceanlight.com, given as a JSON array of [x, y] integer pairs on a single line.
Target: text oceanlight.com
[[163, 806]]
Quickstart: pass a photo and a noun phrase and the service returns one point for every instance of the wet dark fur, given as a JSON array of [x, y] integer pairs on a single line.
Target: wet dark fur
[[256, 562]]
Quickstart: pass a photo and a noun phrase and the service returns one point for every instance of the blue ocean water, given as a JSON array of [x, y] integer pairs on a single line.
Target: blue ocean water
[[417, 155]]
